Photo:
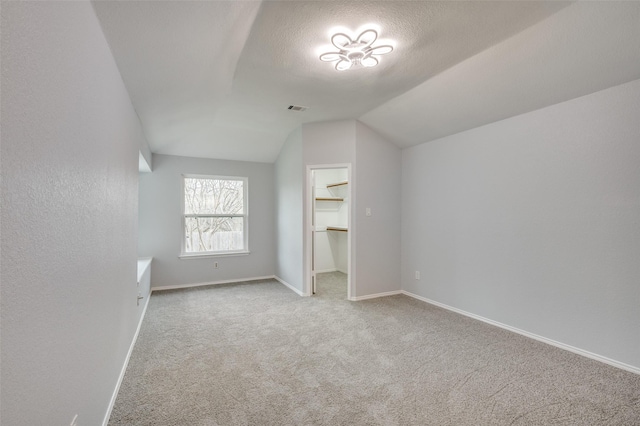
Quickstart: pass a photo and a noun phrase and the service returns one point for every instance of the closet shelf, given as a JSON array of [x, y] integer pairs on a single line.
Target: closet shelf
[[331, 185], [329, 199], [337, 228]]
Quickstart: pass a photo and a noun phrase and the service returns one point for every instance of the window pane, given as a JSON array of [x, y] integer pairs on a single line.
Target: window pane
[[213, 234], [213, 196]]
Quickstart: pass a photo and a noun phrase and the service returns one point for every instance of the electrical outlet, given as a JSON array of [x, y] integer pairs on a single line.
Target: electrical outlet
[[417, 275], [367, 211], [74, 421], [215, 265]]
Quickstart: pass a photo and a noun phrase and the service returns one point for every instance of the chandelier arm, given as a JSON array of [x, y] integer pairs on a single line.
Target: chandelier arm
[[362, 38], [344, 40], [330, 56], [382, 50], [343, 65], [369, 61]]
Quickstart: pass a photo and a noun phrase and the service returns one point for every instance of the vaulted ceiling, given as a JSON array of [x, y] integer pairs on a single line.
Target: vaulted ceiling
[[214, 79]]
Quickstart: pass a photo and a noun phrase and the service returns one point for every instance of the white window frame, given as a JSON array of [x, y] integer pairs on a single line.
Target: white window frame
[[245, 216]]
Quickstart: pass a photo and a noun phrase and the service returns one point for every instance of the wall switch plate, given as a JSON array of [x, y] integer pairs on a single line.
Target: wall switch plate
[[367, 211], [417, 275]]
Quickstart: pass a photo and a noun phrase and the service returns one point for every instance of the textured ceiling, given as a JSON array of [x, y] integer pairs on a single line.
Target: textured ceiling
[[584, 48], [214, 79]]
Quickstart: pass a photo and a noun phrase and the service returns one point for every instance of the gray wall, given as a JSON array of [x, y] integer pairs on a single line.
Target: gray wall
[[161, 226], [378, 236], [311, 144], [289, 177], [70, 143], [329, 142], [375, 182], [533, 222]]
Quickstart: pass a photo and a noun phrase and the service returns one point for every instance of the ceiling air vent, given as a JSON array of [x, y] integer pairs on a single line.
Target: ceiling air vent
[[297, 108]]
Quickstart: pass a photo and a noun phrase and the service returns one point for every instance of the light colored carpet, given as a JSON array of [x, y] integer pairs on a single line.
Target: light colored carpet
[[258, 354]]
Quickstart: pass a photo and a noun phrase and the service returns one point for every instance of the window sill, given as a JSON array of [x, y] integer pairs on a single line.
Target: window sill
[[204, 255]]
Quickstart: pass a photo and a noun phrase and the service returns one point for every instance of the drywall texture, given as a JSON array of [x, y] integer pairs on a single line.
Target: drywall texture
[[378, 236], [199, 71], [70, 143], [289, 177], [534, 222], [585, 47], [327, 143], [375, 183], [161, 223]]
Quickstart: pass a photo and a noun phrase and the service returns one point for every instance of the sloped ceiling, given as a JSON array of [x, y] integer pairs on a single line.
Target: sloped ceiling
[[214, 79], [582, 49]]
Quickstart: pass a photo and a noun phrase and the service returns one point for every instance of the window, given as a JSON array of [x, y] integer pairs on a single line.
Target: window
[[214, 215]]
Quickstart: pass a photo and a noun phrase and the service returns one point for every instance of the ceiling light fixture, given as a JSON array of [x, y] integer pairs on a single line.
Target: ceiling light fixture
[[355, 53]]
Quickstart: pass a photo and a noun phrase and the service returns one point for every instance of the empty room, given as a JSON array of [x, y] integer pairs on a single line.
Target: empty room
[[320, 213]]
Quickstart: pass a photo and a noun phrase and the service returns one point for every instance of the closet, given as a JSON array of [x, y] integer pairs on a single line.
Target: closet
[[331, 219]]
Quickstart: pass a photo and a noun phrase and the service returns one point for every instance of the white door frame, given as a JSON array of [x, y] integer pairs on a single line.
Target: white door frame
[[309, 210]]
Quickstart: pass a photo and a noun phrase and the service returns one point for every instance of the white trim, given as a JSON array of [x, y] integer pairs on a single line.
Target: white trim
[[105, 421], [235, 280], [308, 212], [206, 254], [542, 339], [245, 216], [146, 263], [292, 288], [324, 271], [143, 164], [376, 295]]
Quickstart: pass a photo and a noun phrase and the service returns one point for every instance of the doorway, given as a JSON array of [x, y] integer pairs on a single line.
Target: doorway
[[329, 218]]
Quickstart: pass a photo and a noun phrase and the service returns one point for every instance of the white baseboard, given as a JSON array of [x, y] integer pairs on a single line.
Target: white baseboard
[[292, 288], [324, 271], [551, 342], [126, 362], [235, 280], [374, 296]]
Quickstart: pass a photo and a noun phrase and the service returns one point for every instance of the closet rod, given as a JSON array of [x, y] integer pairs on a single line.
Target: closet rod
[[335, 228], [329, 199]]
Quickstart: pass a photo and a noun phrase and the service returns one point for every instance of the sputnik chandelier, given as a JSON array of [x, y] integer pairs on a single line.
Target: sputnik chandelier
[[355, 53]]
